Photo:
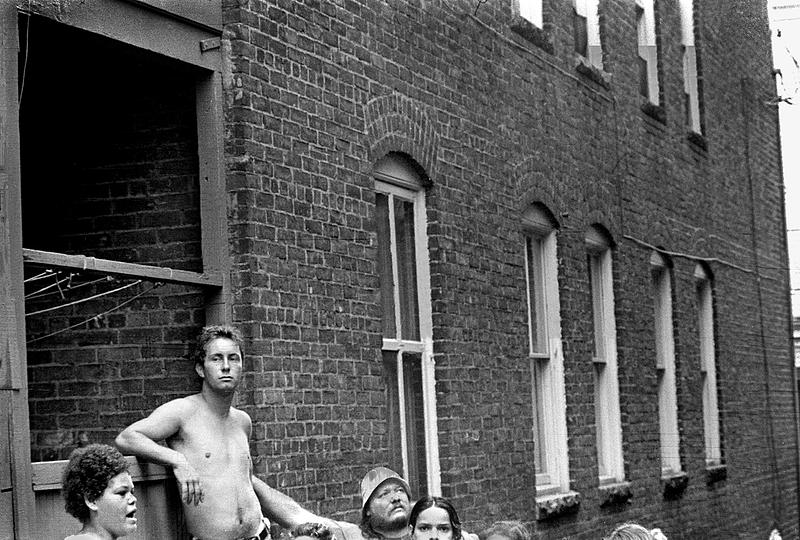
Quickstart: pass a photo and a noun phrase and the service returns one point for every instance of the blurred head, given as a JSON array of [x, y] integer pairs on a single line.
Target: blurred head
[[98, 489], [434, 518], [312, 531], [630, 531], [506, 530]]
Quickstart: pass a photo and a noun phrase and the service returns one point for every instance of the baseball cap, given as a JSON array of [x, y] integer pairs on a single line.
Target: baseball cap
[[373, 480]]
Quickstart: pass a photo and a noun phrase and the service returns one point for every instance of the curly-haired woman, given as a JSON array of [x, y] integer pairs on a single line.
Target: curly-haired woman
[[98, 491]]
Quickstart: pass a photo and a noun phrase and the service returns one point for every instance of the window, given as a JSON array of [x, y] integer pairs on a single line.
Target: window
[[665, 365], [648, 50], [547, 363], [531, 10], [586, 28], [708, 365], [606, 386], [406, 318], [690, 72]]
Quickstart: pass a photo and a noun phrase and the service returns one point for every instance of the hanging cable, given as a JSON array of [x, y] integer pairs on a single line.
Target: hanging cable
[[82, 300], [115, 308]]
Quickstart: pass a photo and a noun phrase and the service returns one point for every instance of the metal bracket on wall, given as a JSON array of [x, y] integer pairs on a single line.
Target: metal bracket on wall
[[209, 44]]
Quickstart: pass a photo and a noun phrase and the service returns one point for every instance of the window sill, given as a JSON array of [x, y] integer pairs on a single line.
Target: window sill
[[614, 495], [592, 72], [698, 140], [540, 37], [557, 505], [715, 474], [656, 112], [674, 485]]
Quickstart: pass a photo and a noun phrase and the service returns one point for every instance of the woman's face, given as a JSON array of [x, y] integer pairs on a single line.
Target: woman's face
[[116, 507], [433, 524]]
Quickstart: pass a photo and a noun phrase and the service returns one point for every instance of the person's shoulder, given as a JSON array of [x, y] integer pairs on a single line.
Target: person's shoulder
[[343, 530], [82, 536], [241, 416]]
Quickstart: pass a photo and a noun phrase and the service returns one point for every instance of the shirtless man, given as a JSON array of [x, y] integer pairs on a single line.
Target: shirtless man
[[208, 450]]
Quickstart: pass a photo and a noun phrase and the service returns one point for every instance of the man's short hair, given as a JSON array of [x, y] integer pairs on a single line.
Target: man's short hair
[[87, 475], [209, 334]]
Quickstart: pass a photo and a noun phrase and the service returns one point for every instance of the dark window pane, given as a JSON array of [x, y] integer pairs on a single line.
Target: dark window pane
[[415, 423], [580, 34], [413, 410], [406, 269], [385, 265]]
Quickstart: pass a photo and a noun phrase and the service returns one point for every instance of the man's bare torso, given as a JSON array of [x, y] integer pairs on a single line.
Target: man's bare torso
[[218, 450]]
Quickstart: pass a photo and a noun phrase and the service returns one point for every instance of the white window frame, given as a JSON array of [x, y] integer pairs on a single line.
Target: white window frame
[[590, 11], [648, 47], [395, 180], [708, 366], [611, 467], [690, 85], [665, 366], [547, 363], [531, 11]]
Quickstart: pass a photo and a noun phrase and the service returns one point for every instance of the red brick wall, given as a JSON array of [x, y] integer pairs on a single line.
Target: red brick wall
[[320, 91]]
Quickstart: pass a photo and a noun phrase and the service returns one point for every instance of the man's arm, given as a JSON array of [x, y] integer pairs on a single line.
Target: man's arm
[[140, 439], [283, 509]]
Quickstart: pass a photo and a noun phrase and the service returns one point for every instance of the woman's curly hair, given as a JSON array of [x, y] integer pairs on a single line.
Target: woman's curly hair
[[513, 530], [87, 475]]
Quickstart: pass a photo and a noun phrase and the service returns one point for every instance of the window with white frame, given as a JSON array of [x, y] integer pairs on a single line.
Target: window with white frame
[[708, 365], [586, 30], [531, 10], [544, 349], [606, 386], [648, 50], [665, 365], [690, 73], [406, 318]]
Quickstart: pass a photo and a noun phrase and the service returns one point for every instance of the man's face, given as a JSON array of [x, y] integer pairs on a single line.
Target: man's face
[[222, 365], [388, 507]]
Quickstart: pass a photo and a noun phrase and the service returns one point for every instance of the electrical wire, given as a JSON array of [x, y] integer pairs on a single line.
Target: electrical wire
[[82, 300]]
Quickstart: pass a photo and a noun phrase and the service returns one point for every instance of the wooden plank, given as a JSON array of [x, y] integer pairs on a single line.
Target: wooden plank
[[157, 511], [117, 268], [142, 27], [205, 13], [12, 320], [213, 196], [46, 475]]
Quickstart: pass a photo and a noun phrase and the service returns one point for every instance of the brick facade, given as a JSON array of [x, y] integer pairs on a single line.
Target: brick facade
[[497, 117]]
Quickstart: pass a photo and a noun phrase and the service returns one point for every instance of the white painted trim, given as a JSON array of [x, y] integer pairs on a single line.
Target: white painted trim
[[665, 365], [648, 48], [531, 11], [705, 314]]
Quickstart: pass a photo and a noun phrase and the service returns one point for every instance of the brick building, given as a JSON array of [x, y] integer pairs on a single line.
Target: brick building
[[538, 247]]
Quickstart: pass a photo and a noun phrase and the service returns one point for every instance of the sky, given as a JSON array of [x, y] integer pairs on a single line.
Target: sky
[[785, 22]]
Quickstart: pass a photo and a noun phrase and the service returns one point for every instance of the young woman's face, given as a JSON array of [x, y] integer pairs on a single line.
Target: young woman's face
[[433, 524], [116, 507]]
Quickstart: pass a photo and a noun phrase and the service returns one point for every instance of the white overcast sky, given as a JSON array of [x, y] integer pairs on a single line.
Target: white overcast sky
[[785, 21]]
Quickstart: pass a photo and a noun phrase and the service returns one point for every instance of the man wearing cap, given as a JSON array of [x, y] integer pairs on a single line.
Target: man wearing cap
[[385, 508]]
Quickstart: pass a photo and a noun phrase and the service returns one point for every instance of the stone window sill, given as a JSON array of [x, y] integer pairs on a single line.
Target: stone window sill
[[557, 505], [715, 474], [614, 495], [592, 72], [540, 37], [674, 485], [698, 140], [656, 112]]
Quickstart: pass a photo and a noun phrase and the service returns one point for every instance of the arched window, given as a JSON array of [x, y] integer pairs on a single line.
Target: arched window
[[544, 349], [406, 319], [606, 386], [665, 364], [708, 364]]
